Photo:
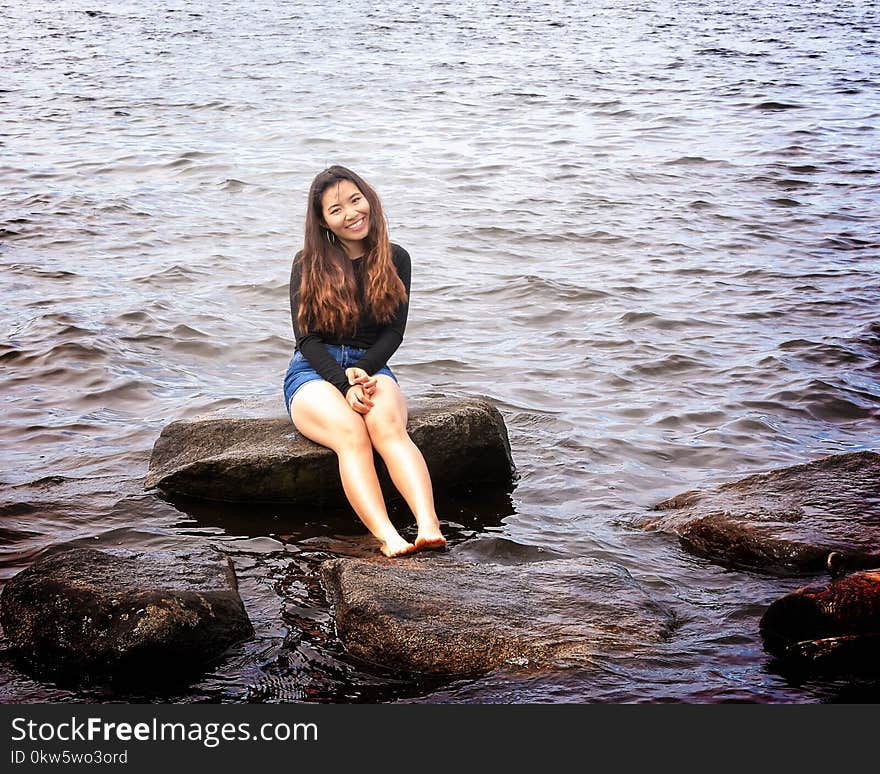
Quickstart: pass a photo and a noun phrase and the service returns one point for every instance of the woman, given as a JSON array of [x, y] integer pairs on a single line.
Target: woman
[[349, 298]]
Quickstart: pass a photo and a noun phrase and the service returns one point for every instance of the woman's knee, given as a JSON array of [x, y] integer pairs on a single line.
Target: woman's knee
[[385, 430], [386, 421], [351, 435]]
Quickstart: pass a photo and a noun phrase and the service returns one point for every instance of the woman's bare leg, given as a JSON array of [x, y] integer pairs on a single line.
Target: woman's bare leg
[[321, 414], [386, 424]]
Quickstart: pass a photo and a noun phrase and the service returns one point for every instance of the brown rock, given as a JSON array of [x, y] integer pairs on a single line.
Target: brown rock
[[253, 454], [83, 615], [438, 615], [786, 520], [835, 624]]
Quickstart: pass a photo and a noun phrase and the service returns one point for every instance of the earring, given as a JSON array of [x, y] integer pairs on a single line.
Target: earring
[[331, 237]]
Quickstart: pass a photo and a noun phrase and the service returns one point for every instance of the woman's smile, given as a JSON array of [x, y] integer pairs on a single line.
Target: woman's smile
[[358, 225]]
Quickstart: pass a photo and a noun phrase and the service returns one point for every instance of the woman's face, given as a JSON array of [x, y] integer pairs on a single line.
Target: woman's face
[[346, 213]]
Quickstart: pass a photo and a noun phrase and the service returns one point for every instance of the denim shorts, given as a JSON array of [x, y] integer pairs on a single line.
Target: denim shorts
[[300, 371]]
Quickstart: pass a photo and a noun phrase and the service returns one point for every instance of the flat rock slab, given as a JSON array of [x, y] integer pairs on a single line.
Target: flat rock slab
[[786, 520], [85, 615], [252, 454], [441, 616], [833, 625]]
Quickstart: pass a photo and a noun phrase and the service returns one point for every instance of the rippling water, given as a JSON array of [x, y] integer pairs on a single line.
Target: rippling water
[[647, 231]]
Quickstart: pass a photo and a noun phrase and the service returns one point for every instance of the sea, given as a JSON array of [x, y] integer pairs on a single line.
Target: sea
[[648, 233]]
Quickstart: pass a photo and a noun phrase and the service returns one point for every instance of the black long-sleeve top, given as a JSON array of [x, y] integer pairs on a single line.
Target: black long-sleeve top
[[380, 341]]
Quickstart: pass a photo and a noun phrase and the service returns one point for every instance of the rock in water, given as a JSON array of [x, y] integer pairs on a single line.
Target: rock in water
[[250, 455], [827, 625], [445, 617], [786, 520], [83, 615]]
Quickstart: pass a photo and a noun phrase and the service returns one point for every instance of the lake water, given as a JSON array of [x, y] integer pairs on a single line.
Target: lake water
[[647, 231]]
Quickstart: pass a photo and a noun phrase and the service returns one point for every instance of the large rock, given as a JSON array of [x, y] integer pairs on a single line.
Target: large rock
[[786, 520], [835, 625], [253, 453], [85, 615], [441, 616]]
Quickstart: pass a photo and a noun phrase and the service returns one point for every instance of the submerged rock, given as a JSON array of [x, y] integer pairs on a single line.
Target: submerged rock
[[442, 616], [83, 615], [254, 454], [834, 625], [786, 520]]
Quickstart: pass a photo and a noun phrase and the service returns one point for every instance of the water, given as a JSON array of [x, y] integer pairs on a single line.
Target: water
[[648, 232]]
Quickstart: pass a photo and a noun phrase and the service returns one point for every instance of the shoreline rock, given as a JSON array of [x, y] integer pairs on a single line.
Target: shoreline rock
[[252, 453], [439, 616], [787, 520], [827, 626], [81, 615]]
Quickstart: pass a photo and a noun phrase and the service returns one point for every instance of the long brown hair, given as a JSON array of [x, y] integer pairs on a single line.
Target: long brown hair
[[328, 301]]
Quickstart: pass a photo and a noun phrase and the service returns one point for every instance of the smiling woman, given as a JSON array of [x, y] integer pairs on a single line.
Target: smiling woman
[[349, 300]]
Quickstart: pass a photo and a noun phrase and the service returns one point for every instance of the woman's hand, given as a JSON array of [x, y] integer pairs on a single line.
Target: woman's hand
[[358, 399], [361, 377]]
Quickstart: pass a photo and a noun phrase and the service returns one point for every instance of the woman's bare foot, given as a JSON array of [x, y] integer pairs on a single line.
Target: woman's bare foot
[[396, 547], [430, 541]]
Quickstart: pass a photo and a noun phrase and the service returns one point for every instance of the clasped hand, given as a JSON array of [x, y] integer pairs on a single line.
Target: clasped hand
[[360, 393]]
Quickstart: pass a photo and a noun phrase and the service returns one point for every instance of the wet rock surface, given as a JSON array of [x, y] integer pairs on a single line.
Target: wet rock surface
[[835, 625], [81, 615], [784, 521], [435, 614], [253, 453]]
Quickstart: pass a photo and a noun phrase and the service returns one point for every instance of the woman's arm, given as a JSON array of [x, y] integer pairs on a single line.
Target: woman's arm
[[391, 335], [311, 344]]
